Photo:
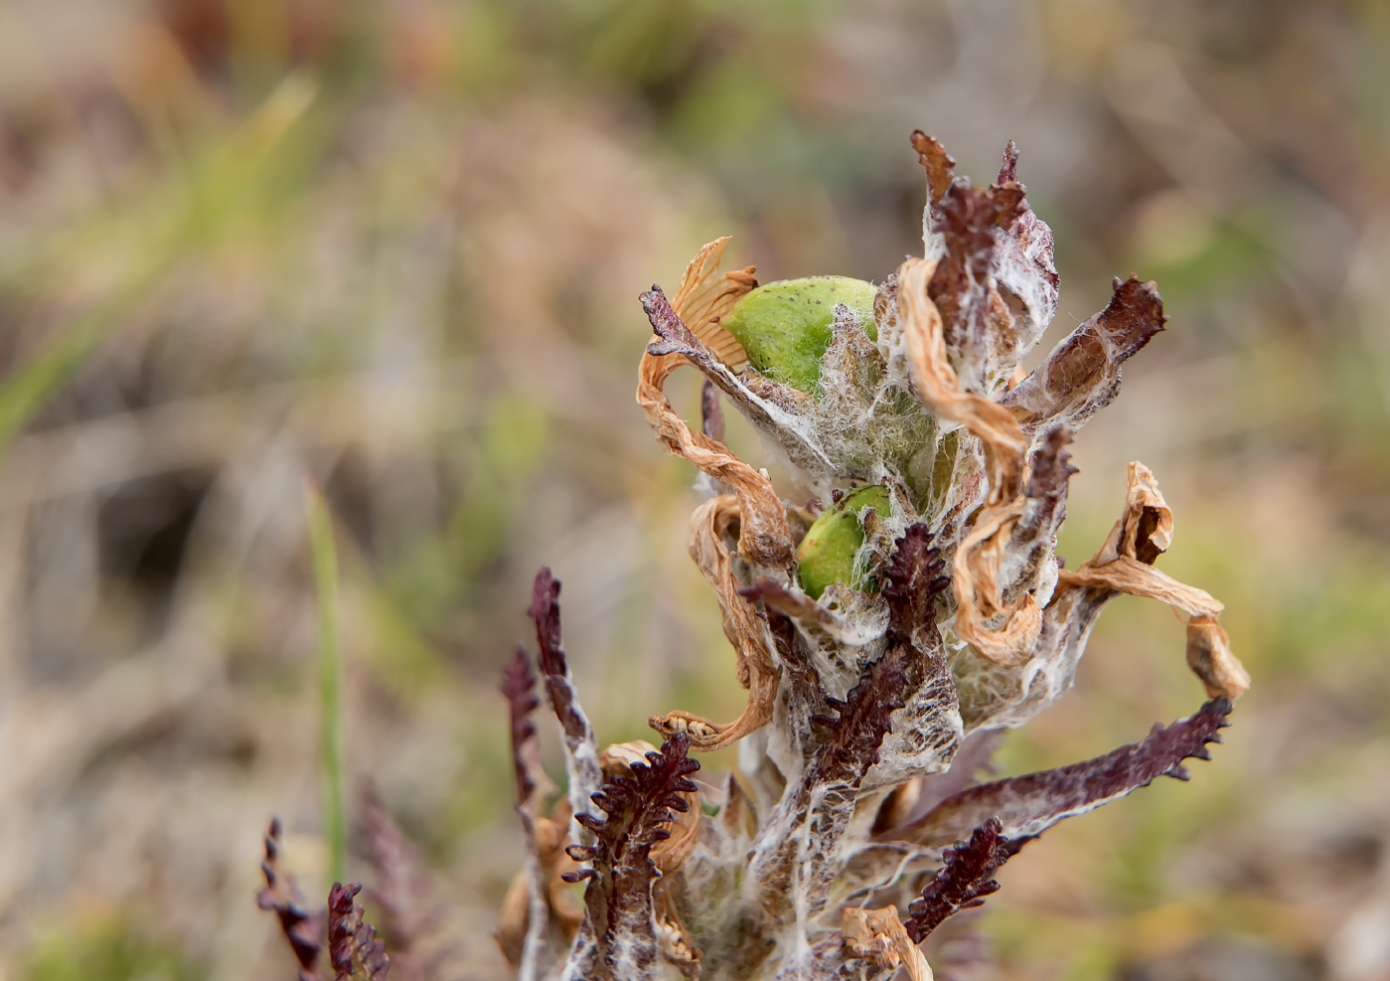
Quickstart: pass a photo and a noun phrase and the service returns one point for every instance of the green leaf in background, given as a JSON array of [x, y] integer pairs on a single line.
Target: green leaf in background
[[330, 674]]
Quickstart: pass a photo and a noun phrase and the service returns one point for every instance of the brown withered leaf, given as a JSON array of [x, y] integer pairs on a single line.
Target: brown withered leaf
[[1082, 374], [975, 564], [995, 283], [709, 526], [939, 165], [938, 385], [1210, 658], [1027, 806]]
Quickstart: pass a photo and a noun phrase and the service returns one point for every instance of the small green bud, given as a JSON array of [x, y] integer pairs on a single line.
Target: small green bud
[[786, 327], [827, 554]]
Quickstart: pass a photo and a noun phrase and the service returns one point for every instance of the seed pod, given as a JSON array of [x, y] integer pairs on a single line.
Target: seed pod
[[785, 327], [829, 551]]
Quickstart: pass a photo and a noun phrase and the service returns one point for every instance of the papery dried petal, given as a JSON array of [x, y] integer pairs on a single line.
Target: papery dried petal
[[705, 297], [879, 934]]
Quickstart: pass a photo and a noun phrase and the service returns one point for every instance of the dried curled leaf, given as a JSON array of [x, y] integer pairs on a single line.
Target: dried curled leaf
[[282, 896], [1027, 806], [353, 946], [977, 557], [1082, 374], [880, 935], [765, 537], [711, 523], [965, 878], [1124, 565]]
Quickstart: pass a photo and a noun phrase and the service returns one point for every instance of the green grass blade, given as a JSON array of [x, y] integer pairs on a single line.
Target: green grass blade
[[330, 673]]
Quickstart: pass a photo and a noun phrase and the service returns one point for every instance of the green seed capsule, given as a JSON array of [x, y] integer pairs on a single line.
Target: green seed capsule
[[786, 327], [827, 553]]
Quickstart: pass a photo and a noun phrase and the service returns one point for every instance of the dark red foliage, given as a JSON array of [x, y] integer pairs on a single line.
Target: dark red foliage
[[518, 684], [965, 878], [353, 947], [636, 809], [851, 742], [545, 610], [283, 897], [914, 578], [1028, 805], [400, 887], [711, 412]]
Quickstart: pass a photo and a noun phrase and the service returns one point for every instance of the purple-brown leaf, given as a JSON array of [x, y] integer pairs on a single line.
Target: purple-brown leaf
[[282, 896], [353, 946], [1028, 805], [1082, 374], [518, 684], [581, 747], [965, 878], [620, 871]]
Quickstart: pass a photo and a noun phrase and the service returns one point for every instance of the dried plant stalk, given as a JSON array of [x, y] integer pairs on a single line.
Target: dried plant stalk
[[915, 602]]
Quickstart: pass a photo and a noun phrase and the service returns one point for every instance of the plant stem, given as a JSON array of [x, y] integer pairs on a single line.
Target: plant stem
[[330, 680]]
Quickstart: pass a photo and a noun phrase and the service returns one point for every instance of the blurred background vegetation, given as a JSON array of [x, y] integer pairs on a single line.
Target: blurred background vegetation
[[396, 246]]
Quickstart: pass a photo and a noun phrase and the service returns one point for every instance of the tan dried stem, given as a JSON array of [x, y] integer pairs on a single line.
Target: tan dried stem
[[709, 526], [975, 566], [880, 935], [1124, 564]]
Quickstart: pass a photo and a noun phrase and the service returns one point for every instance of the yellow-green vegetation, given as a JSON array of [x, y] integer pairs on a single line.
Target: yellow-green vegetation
[[107, 950], [829, 551], [786, 327]]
